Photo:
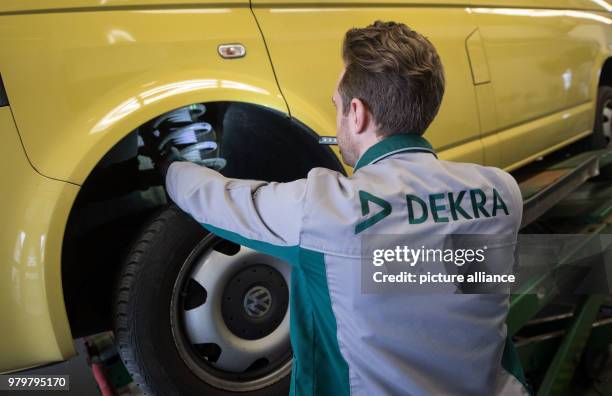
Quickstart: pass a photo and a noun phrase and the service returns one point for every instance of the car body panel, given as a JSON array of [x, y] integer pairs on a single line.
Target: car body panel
[[122, 69], [34, 211], [518, 53], [307, 65], [595, 5], [543, 66], [25, 6]]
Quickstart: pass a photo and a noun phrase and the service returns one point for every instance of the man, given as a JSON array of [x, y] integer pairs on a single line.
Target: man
[[346, 341]]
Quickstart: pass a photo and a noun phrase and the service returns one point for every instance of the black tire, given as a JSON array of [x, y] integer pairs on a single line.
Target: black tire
[[600, 138], [142, 325]]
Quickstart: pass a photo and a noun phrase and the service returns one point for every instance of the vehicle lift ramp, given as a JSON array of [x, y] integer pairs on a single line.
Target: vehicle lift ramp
[[554, 337]]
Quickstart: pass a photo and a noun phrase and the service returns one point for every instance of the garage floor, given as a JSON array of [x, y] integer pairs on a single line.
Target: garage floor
[[82, 382]]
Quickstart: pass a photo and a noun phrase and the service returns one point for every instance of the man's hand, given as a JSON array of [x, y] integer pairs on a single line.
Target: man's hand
[[167, 158]]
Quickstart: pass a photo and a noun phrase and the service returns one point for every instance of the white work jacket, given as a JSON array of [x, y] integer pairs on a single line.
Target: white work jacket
[[346, 341]]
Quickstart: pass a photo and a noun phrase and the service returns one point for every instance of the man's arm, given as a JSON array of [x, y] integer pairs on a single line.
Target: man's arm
[[265, 216]]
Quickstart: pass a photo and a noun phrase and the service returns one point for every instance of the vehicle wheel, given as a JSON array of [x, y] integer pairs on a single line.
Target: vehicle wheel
[[602, 130], [196, 314]]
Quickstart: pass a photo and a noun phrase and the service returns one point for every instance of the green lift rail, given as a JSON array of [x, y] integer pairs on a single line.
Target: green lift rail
[[554, 336]]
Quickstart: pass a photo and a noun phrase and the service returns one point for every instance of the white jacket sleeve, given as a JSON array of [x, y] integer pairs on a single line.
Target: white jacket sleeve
[[268, 212]]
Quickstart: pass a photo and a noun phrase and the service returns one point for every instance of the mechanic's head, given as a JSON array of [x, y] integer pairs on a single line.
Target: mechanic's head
[[392, 83]]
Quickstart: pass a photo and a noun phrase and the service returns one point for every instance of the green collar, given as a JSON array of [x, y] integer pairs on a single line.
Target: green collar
[[392, 145]]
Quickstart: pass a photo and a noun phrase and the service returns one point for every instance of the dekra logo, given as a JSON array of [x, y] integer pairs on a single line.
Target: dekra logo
[[443, 207]]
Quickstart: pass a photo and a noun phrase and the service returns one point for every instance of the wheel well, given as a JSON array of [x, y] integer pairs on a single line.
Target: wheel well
[[605, 76], [124, 190]]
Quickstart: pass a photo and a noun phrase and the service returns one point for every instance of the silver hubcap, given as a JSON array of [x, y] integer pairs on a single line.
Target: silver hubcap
[[204, 323]]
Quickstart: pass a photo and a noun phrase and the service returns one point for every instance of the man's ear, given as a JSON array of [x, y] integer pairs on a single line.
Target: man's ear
[[360, 115]]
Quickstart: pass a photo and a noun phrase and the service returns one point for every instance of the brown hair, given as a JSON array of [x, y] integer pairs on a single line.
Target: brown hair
[[396, 72]]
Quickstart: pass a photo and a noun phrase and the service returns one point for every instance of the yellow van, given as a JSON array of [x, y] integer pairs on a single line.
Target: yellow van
[[90, 89]]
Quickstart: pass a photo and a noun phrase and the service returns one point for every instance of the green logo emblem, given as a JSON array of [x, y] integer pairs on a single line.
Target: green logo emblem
[[366, 198]]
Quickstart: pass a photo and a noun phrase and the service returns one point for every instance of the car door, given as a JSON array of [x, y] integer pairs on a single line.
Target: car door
[[541, 57], [304, 39]]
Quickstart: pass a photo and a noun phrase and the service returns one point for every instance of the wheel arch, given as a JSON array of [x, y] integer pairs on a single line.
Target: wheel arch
[[605, 74], [114, 119]]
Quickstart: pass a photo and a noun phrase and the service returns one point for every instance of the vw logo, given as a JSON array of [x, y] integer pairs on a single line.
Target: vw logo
[[257, 301]]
